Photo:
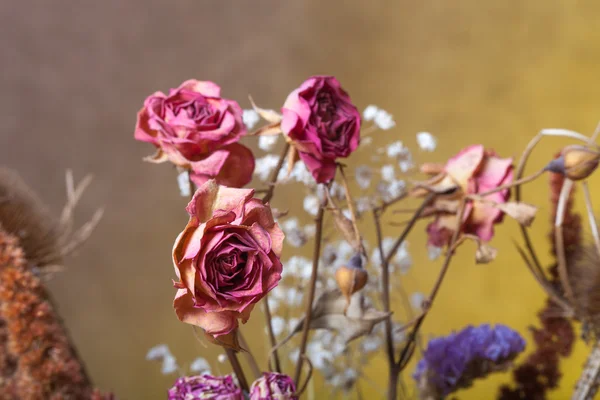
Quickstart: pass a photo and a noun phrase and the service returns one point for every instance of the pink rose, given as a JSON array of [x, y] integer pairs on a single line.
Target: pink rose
[[273, 386], [226, 258], [192, 123], [473, 170], [322, 123]]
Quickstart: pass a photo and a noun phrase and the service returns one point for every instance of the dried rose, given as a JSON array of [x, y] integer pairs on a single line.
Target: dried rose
[[273, 386], [192, 123], [322, 123], [473, 170], [205, 387], [227, 258]]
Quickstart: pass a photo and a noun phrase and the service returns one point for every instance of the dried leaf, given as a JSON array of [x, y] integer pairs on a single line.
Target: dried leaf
[[485, 254], [271, 116], [292, 157], [524, 213], [268, 130], [328, 313], [157, 158]]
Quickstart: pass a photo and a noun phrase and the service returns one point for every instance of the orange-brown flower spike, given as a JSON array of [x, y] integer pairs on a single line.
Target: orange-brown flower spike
[[352, 277], [576, 162]]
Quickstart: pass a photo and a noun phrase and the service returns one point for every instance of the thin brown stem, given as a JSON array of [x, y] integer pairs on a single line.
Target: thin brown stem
[[273, 179], [591, 217], [350, 205], [266, 198], [518, 182], [311, 293], [408, 349], [560, 243], [249, 356], [237, 368]]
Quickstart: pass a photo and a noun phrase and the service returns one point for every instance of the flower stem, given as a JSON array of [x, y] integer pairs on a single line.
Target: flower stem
[[237, 368], [249, 356], [408, 349], [560, 242], [267, 197], [311, 293], [518, 182]]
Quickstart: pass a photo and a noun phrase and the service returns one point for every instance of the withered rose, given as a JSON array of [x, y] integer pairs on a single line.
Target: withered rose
[[190, 125], [473, 170], [205, 387], [226, 258], [322, 123], [273, 386]]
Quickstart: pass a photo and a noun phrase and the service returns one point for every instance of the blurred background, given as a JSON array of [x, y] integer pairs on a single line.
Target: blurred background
[[74, 74]]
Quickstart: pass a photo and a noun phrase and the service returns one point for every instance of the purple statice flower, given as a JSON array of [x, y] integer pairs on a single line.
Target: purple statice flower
[[273, 386], [454, 361], [205, 387]]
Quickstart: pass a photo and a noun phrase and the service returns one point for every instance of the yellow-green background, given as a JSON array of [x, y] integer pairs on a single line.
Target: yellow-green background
[[75, 73]]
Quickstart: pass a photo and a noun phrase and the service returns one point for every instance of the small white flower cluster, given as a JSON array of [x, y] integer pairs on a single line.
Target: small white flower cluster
[[295, 235], [163, 354], [267, 142], [380, 117], [250, 118], [398, 151], [185, 186], [401, 260], [426, 141]]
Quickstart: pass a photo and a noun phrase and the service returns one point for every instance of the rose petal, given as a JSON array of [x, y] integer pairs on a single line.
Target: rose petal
[[463, 166], [215, 324], [207, 88]]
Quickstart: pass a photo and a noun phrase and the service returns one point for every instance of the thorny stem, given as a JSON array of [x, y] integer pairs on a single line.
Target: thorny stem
[[311, 293], [409, 347], [591, 216], [237, 368], [385, 262], [267, 197], [559, 240]]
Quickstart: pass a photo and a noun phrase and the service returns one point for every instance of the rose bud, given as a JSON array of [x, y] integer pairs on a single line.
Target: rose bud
[[352, 277], [273, 386], [575, 162]]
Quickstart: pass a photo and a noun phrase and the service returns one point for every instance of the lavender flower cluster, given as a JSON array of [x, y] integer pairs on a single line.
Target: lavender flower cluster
[[454, 361]]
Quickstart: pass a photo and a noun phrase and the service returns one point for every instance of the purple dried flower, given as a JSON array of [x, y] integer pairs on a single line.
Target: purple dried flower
[[273, 386], [454, 361], [205, 387]]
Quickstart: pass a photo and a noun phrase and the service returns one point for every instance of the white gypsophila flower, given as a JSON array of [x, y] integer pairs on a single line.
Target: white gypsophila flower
[[391, 190], [345, 251], [310, 230], [370, 112], [426, 141], [158, 352], [292, 323], [371, 344], [169, 365], [200, 366], [406, 164], [294, 297], [386, 244], [345, 380], [346, 213], [364, 204], [185, 186], [300, 266], [433, 252], [387, 173], [384, 120], [250, 118], [337, 191], [402, 259], [294, 235], [395, 149], [363, 176], [416, 300], [320, 354], [222, 358], [299, 173], [398, 333], [311, 204], [278, 325], [267, 142], [294, 355], [264, 166], [329, 254]]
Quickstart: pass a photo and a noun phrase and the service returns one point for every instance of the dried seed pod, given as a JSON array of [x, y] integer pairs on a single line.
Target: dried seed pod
[[352, 277], [575, 162]]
